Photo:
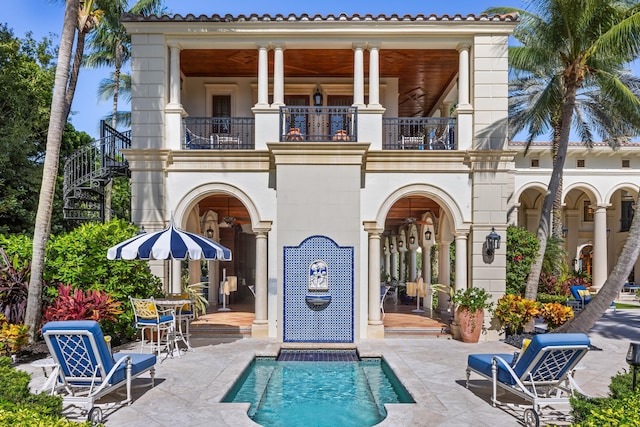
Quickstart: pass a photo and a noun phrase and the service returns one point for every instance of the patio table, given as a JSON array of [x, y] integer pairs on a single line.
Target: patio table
[[177, 304]]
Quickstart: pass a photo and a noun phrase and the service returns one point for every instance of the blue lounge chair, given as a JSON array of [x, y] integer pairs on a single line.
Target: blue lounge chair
[[541, 375], [85, 368], [583, 296]]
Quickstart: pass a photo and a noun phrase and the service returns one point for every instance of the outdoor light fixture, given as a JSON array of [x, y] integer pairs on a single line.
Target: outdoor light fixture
[[412, 239], [400, 244], [493, 241], [633, 359], [427, 234], [608, 232], [391, 246], [565, 231], [317, 98], [210, 233], [141, 230]]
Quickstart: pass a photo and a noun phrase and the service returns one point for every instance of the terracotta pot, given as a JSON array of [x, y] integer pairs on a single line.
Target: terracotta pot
[[470, 324]]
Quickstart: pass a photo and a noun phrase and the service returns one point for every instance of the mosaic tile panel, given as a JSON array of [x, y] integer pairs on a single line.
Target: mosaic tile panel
[[303, 321]]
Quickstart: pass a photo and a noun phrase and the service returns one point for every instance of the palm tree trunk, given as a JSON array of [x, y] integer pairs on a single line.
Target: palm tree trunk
[[554, 184], [587, 318], [58, 118]]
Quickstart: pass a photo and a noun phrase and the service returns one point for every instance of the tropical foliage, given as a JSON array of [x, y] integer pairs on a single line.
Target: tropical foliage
[[76, 304], [12, 337], [522, 247], [472, 299], [514, 312], [14, 286], [555, 314]]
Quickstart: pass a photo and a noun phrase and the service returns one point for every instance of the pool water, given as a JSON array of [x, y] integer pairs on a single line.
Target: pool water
[[318, 393]]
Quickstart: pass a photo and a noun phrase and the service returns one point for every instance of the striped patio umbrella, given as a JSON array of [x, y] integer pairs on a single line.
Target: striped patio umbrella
[[169, 243]]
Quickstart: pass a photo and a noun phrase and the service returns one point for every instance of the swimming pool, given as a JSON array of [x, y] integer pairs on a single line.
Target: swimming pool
[[318, 393]]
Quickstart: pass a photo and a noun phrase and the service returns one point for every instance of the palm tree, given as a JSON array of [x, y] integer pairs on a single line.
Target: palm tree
[[81, 17], [106, 90], [573, 44], [111, 44]]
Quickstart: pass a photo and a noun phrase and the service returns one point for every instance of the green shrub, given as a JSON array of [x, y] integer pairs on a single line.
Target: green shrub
[[618, 409], [547, 298], [522, 248], [24, 416], [14, 389]]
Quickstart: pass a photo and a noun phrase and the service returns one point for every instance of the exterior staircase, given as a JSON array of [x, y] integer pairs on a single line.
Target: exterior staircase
[[89, 170]]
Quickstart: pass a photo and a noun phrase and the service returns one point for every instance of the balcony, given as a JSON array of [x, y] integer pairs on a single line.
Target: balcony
[[418, 133], [219, 133], [318, 124]]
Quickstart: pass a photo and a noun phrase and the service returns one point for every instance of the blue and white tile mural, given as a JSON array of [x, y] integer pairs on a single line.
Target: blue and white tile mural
[[318, 291]]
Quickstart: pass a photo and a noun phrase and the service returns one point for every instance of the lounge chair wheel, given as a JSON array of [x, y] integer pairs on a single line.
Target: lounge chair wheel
[[95, 416], [531, 418]]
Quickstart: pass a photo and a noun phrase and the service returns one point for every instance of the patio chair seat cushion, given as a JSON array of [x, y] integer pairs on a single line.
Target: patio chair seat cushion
[[482, 363], [140, 362], [163, 319]]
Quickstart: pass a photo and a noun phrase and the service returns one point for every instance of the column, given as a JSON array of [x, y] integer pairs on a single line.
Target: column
[[374, 276], [387, 260], [358, 74], [401, 254], [461, 261], [426, 274], [413, 270], [444, 273], [374, 76], [513, 215], [174, 76], [599, 274], [463, 75], [263, 75], [260, 323], [278, 75], [393, 248]]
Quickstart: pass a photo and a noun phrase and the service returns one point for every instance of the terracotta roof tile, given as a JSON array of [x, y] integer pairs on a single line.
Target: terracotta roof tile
[[330, 17]]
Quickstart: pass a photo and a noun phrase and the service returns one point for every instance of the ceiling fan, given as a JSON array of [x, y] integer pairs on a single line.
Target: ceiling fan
[[413, 220]]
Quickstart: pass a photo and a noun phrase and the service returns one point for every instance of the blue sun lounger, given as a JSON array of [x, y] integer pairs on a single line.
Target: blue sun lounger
[[86, 370], [541, 375]]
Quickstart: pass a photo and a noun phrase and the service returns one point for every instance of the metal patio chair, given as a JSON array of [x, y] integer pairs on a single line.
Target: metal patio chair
[[159, 324]]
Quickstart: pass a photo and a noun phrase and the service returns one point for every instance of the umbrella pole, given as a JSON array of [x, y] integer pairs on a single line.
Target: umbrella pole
[[225, 287]]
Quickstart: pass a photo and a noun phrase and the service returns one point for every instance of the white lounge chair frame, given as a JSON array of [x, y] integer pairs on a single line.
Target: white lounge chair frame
[[85, 370], [545, 380]]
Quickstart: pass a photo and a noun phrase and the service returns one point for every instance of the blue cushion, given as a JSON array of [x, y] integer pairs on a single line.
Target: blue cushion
[[163, 319], [482, 364], [139, 363], [74, 344]]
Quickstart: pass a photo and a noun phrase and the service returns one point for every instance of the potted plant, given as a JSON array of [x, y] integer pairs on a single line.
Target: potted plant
[[470, 304], [514, 313]]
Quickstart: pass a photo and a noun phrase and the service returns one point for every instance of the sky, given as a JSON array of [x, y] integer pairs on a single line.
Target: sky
[[44, 19]]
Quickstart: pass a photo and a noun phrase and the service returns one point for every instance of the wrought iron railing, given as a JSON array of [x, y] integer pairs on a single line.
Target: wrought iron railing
[[318, 124], [87, 171], [419, 133], [219, 133]]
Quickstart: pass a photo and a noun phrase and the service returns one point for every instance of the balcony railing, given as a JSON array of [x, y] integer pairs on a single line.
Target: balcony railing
[[318, 124], [219, 133], [419, 133]]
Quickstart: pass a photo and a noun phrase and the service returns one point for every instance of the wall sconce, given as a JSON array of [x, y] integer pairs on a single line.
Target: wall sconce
[[412, 239], [391, 246], [141, 230], [565, 231], [608, 232], [317, 98], [210, 233], [427, 234], [493, 241], [400, 244]]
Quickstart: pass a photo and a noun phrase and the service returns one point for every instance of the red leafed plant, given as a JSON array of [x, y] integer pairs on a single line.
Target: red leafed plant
[[74, 304]]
